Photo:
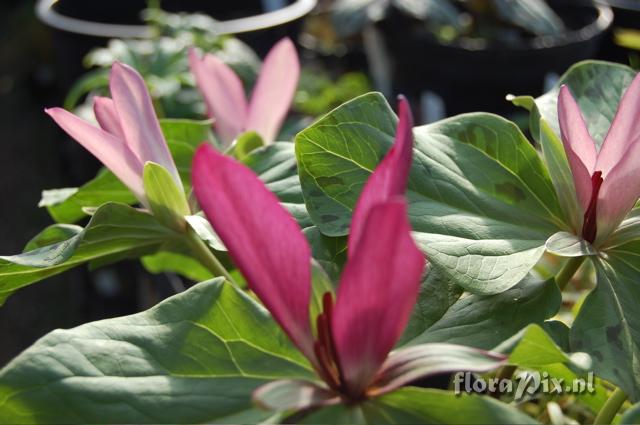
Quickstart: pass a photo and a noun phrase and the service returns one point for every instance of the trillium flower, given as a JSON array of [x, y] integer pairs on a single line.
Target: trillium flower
[[128, 135], [350, 344], [225, 97], [607, 182]]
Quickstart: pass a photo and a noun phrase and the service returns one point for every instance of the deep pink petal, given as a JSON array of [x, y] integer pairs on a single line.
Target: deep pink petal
[[223, 94], [377, 292], [262, 238], [624, 131], [619, 192], [107, 116], [578, 145], [274, 90], [112, 152], [138, 120], [389, 178]]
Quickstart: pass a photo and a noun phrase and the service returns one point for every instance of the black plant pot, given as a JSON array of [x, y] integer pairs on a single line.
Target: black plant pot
[[471, 77], [80, 25]]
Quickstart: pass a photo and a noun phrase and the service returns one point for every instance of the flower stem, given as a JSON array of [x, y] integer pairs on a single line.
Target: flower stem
[[567, 272], [205, 256], [610, 408]]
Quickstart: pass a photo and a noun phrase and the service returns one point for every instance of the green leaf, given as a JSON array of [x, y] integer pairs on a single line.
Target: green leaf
[[566, 244], [166, 200], [196, 357], [484, 321], [423, 406], [66, 205], [276, 166], [534, 16], [246, 143], [532, 347], [631, 416], [115, 229], [597, 87], [205, 231], [183, 264], [627, 231], [608, 326], [481, 201]]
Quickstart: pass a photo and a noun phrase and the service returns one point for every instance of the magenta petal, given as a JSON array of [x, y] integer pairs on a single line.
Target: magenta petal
[[262, 238], [107, 116], [377, 292], [138, 120], [619, 192], [274, 90], [578, 145], [112, 152], [624, 131], [223, 94], [389, 179]]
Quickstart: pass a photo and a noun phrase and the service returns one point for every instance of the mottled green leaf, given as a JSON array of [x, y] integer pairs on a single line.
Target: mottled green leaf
[[481, 201]]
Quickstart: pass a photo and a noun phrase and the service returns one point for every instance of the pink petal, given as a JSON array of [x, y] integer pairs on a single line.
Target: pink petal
[[578, 145], [624, 131], [619, 192], [377, 292], [107, 116], [112, 152], [223, 94], [389, 178], [274, 90], [138, 120], [262, 238]]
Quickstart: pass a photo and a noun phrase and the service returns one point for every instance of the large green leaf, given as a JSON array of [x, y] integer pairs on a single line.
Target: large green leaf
[[481, 201], [608, 325], [113, 229], [423, 406], [196, 357], [484, 321], [597, 87]]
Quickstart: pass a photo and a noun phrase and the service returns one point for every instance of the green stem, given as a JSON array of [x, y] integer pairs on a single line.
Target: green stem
[[610, 408], [206, 257], [568, 270]]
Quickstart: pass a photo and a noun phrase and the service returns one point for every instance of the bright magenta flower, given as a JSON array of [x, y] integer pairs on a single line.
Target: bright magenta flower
[[379, 286], [272, 95], [129, 134], [607, 182]]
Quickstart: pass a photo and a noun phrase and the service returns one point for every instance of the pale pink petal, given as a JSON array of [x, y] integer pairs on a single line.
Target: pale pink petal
[[294, 395], [262, 238], [377, 292], [107, 116], [138, 120], [578, 145], [389, 179], [223, 94], [624, 131], [619, 192], [274, 90], [112, 152]]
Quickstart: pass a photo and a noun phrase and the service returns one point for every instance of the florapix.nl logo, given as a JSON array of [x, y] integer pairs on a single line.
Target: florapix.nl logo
[[525, 384]]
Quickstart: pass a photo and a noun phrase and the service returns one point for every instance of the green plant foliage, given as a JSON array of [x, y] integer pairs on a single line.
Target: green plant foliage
[[481, 201], [196, 357]]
